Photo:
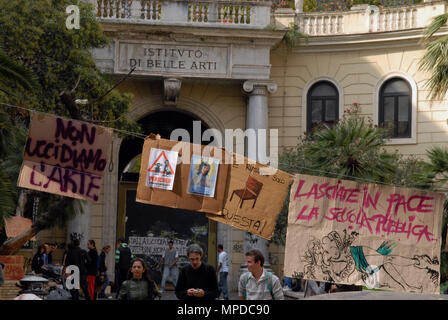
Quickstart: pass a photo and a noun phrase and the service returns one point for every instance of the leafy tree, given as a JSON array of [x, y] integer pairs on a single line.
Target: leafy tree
[[34, 34], [435, 59]]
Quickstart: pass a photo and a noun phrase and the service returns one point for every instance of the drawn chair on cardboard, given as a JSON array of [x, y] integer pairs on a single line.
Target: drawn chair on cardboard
[[251, 192]]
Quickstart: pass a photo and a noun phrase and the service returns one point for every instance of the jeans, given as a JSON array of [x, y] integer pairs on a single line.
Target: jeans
[[106, 283], [169, 273], [222, 285]]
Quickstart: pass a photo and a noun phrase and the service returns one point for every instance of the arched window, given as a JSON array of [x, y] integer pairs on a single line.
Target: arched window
[[395, 108], [322, 104]]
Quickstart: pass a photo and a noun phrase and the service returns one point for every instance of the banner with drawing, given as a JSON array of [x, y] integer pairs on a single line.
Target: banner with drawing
[[65, 157], [366, 234]]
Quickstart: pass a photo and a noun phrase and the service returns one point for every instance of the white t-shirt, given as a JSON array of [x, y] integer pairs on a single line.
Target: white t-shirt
[[222, 258]]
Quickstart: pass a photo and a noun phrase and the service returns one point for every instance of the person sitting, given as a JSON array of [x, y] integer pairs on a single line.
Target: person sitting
[[38, 259]]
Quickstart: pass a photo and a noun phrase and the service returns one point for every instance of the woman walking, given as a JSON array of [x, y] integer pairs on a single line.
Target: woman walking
[[139, 285]]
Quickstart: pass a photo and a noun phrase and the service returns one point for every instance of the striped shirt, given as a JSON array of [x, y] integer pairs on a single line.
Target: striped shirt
[[253, 289]]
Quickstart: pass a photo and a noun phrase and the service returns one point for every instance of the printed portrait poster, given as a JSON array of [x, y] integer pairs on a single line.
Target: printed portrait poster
[[203, 174], [178, 196], [65, 157], [365, 234], [161, 169], [255, 196]]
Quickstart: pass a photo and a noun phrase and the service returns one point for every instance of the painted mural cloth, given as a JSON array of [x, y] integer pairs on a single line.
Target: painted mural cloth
[[355, 233]]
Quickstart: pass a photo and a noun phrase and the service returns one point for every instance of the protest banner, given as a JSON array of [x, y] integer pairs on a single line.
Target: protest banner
[[378, 236], [65, 157], [254, 199], [179, 197], [156, 246]]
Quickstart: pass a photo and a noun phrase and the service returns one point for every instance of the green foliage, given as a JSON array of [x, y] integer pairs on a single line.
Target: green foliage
[[35, 34], [435, 59], [293, 36], [40, 60]]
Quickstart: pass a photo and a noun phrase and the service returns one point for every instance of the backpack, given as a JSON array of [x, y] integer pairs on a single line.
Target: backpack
[[268, 284]]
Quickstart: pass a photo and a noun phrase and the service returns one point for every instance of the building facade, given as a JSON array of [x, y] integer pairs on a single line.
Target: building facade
[[225, 64]]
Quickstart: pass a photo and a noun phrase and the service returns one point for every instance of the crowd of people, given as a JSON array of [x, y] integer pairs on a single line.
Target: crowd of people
[[197, 280]]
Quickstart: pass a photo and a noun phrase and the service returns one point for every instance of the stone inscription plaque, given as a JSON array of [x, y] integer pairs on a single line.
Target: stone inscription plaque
[[163, 59]]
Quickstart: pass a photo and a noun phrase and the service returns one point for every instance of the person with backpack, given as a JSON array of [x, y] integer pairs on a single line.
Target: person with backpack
[[78, 257], [258, 284]]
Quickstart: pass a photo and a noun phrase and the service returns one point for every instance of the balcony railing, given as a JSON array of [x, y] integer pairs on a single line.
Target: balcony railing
[[367, 19], [210, 13]]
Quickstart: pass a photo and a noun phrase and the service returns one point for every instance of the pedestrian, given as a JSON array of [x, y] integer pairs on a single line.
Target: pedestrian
[[169, 262], [197, 280], [258, 284], [103, 272], [139, 285], [92, 269], [78, 257], [38, 259], [222, 271], [2, 276], [123, 257]]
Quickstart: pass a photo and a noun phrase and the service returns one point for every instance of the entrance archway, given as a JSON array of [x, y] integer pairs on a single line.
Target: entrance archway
[[152, 226]]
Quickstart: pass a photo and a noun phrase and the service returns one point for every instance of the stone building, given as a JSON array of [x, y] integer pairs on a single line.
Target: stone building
[[225, 64]]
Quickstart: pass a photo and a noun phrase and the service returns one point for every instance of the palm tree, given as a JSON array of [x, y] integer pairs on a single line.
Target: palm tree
[[13, 74], [435, 59]]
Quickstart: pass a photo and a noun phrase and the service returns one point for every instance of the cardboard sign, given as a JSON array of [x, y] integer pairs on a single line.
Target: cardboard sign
[[65, 157], [365, 234], [179, 197], [254, 200], [14, 226], [161, 169]]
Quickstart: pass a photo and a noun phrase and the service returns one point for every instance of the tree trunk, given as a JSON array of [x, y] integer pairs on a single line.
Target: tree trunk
[[46, 220], [23, 199], [13, 245]]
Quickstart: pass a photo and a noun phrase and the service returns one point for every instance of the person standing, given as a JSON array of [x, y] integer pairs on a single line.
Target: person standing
[[169, 261], [78, 257], [258, 284], [92, 268], [103, 271], [123, 257], [197, 280], [139, 285], [222, 271]]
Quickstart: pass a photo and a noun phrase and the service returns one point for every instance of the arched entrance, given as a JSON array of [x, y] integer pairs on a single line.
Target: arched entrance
[[147, 226]]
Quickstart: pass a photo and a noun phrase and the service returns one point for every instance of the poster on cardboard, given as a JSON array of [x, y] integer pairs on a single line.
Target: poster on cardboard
[[347, 232], [203, 176], [65, 157], [179, 197], [254, 199], [161, 169]]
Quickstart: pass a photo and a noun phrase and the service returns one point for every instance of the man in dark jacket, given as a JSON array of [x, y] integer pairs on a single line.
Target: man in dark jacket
[[78, 257], [197, 281], [123, 257]]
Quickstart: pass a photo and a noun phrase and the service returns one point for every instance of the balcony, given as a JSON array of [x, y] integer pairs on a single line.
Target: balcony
[[198, 13], [368, 19]]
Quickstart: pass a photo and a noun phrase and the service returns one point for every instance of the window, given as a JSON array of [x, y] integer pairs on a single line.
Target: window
[[395, 108], [322, 104]]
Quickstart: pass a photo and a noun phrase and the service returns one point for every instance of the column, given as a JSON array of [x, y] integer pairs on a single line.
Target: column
[[257, 118]]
